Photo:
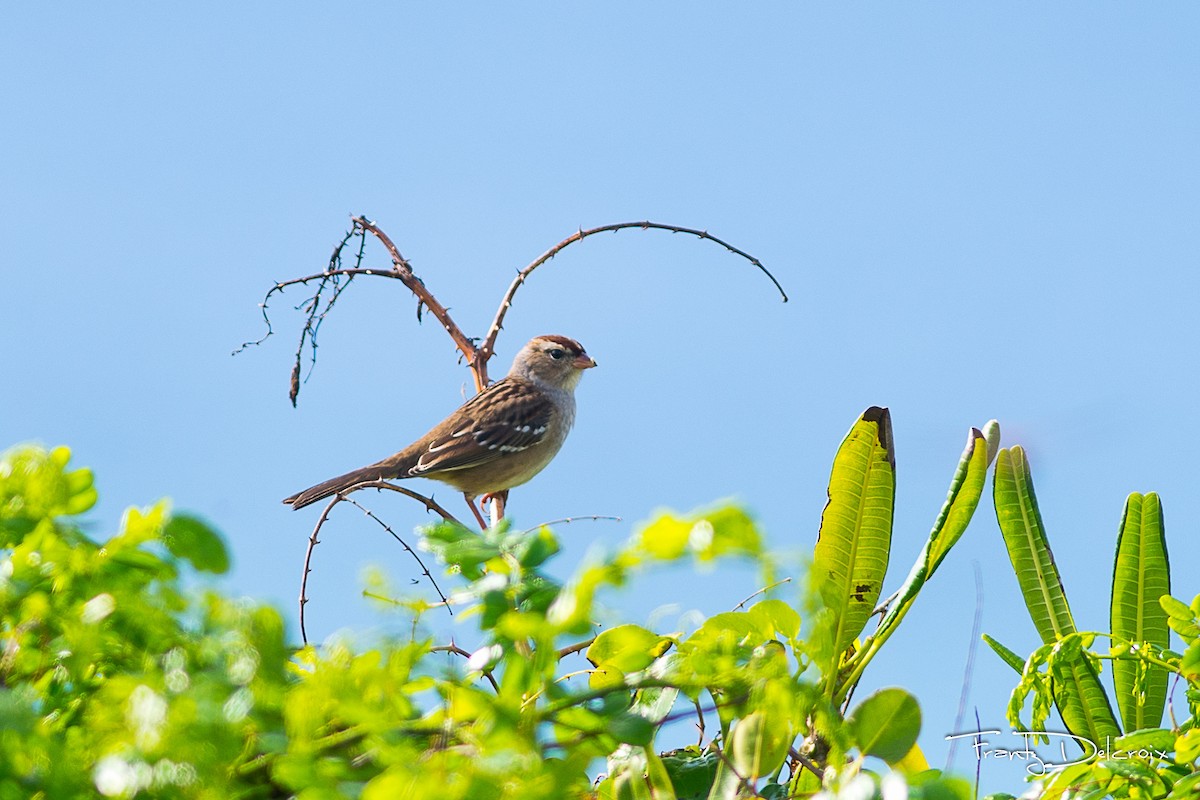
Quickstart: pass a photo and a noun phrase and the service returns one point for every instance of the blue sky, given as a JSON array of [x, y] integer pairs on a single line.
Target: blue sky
[[978, 211]]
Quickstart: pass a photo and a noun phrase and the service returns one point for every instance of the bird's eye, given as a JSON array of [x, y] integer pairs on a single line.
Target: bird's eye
[[556, 354]]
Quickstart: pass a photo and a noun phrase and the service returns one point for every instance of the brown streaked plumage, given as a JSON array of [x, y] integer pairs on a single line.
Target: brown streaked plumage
[[498, 439]]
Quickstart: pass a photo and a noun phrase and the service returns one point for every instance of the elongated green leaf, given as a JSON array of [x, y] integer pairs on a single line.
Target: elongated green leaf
[[1141, 576], [1006, 655], [966, 487], [1028, 549], [851, 555], [1080, 697], [965, 490], [1083, 703]]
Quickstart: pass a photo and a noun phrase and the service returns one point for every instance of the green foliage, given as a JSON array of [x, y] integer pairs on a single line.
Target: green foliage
[[1145, 761], [851, 555], [117, 680], [112, 680], [1141, 575], [886, 724]]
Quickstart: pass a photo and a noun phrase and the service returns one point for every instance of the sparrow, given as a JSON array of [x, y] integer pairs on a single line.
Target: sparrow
[[498, 439]]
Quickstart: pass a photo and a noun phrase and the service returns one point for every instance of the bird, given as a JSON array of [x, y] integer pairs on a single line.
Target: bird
[[500, 438]]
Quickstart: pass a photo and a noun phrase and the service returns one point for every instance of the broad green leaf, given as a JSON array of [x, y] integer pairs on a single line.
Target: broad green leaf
[[1181, 618], [655, 702], [1028, 549], [886, 724], [691, 771], [1187, 746], [1149, 739], [191, 539], [1187, 787], [630, 728], [759, 744], [725, 530], [851, 555], [35, 484], [1141, 576], [775, 617], [635, 773], [1189, 665], [621, 650], [914, 761]]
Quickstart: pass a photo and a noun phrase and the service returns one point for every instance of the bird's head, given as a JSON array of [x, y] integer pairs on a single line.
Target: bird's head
[[552, 360]]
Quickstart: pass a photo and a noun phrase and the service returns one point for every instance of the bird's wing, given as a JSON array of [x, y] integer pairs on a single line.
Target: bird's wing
[[507, 417]]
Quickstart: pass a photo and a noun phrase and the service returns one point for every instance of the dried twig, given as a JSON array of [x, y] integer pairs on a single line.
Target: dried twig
[[488, 348], [763, 590], [424, 569], [425, 298], [336, 275], [458, 651], [429, 503], [313, 541], [575, 648], [806, 762], [569, 520]]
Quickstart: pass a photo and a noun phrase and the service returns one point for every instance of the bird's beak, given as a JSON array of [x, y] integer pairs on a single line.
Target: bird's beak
[[583, 361]]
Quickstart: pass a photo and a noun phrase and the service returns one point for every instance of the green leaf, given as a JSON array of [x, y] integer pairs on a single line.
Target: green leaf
[[35, 484], [1187, 787], [1181, 618], [619, 651], [1081, 698], [1141, 575], [966, 487], [691, 772], [1028, 548], [725, 530], [1078, 693], [1187, 746], [1006, 655], [631, 728], [775, 617], [1189, 665], [886, 724], [193, 540], [759, 744], [851, 555], [1149, 739]]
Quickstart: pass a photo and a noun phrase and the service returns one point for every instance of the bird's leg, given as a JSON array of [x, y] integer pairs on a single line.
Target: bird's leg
[[498, 501], [475, 510]]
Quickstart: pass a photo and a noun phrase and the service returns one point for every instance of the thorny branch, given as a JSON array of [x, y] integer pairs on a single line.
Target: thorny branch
[[488, 348], [313, 541], [337, 277], [458, 651], [476, 356]]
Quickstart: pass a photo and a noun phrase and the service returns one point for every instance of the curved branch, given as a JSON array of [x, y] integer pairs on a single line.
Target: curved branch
[[428, 502], [458, 651], [402, 271], [312, 543], [424, 569], [487, 349]]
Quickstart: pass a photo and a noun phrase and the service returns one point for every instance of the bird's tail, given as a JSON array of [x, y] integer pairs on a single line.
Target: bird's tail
[[332, 486]]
